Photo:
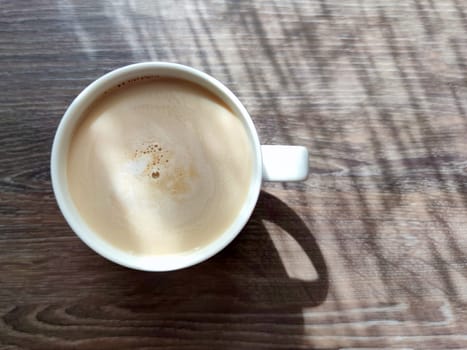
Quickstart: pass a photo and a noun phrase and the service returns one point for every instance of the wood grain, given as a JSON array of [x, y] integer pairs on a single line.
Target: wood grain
[[369, 252]]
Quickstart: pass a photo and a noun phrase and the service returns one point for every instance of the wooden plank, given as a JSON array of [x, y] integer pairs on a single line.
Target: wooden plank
[[369, 252]]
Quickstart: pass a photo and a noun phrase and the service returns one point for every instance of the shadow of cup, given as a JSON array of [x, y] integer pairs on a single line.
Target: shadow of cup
[[246, 285]]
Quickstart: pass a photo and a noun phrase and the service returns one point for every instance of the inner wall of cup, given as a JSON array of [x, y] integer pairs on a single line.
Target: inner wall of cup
[[71, 120]]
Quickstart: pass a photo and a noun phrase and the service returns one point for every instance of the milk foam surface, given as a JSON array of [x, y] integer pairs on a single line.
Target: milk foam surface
[[159, 166]]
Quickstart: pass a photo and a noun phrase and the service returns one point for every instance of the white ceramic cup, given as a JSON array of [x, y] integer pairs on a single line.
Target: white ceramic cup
[[271, 163]]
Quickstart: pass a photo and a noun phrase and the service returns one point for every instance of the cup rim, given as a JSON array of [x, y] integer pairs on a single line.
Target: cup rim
[[60, 148]]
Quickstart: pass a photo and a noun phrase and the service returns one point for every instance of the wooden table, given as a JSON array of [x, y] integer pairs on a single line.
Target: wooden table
[[369, 252]]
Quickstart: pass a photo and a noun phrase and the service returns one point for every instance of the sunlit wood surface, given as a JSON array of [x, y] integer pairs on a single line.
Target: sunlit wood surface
[[368, 253]]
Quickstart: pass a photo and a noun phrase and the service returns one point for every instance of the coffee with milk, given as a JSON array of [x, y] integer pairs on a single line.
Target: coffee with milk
[[159, 166]]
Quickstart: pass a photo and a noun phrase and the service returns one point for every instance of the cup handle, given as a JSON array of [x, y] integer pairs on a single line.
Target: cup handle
[[284, 163]]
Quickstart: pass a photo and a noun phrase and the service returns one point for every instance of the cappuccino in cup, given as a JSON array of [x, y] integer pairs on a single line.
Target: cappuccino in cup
[[159, 166]]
